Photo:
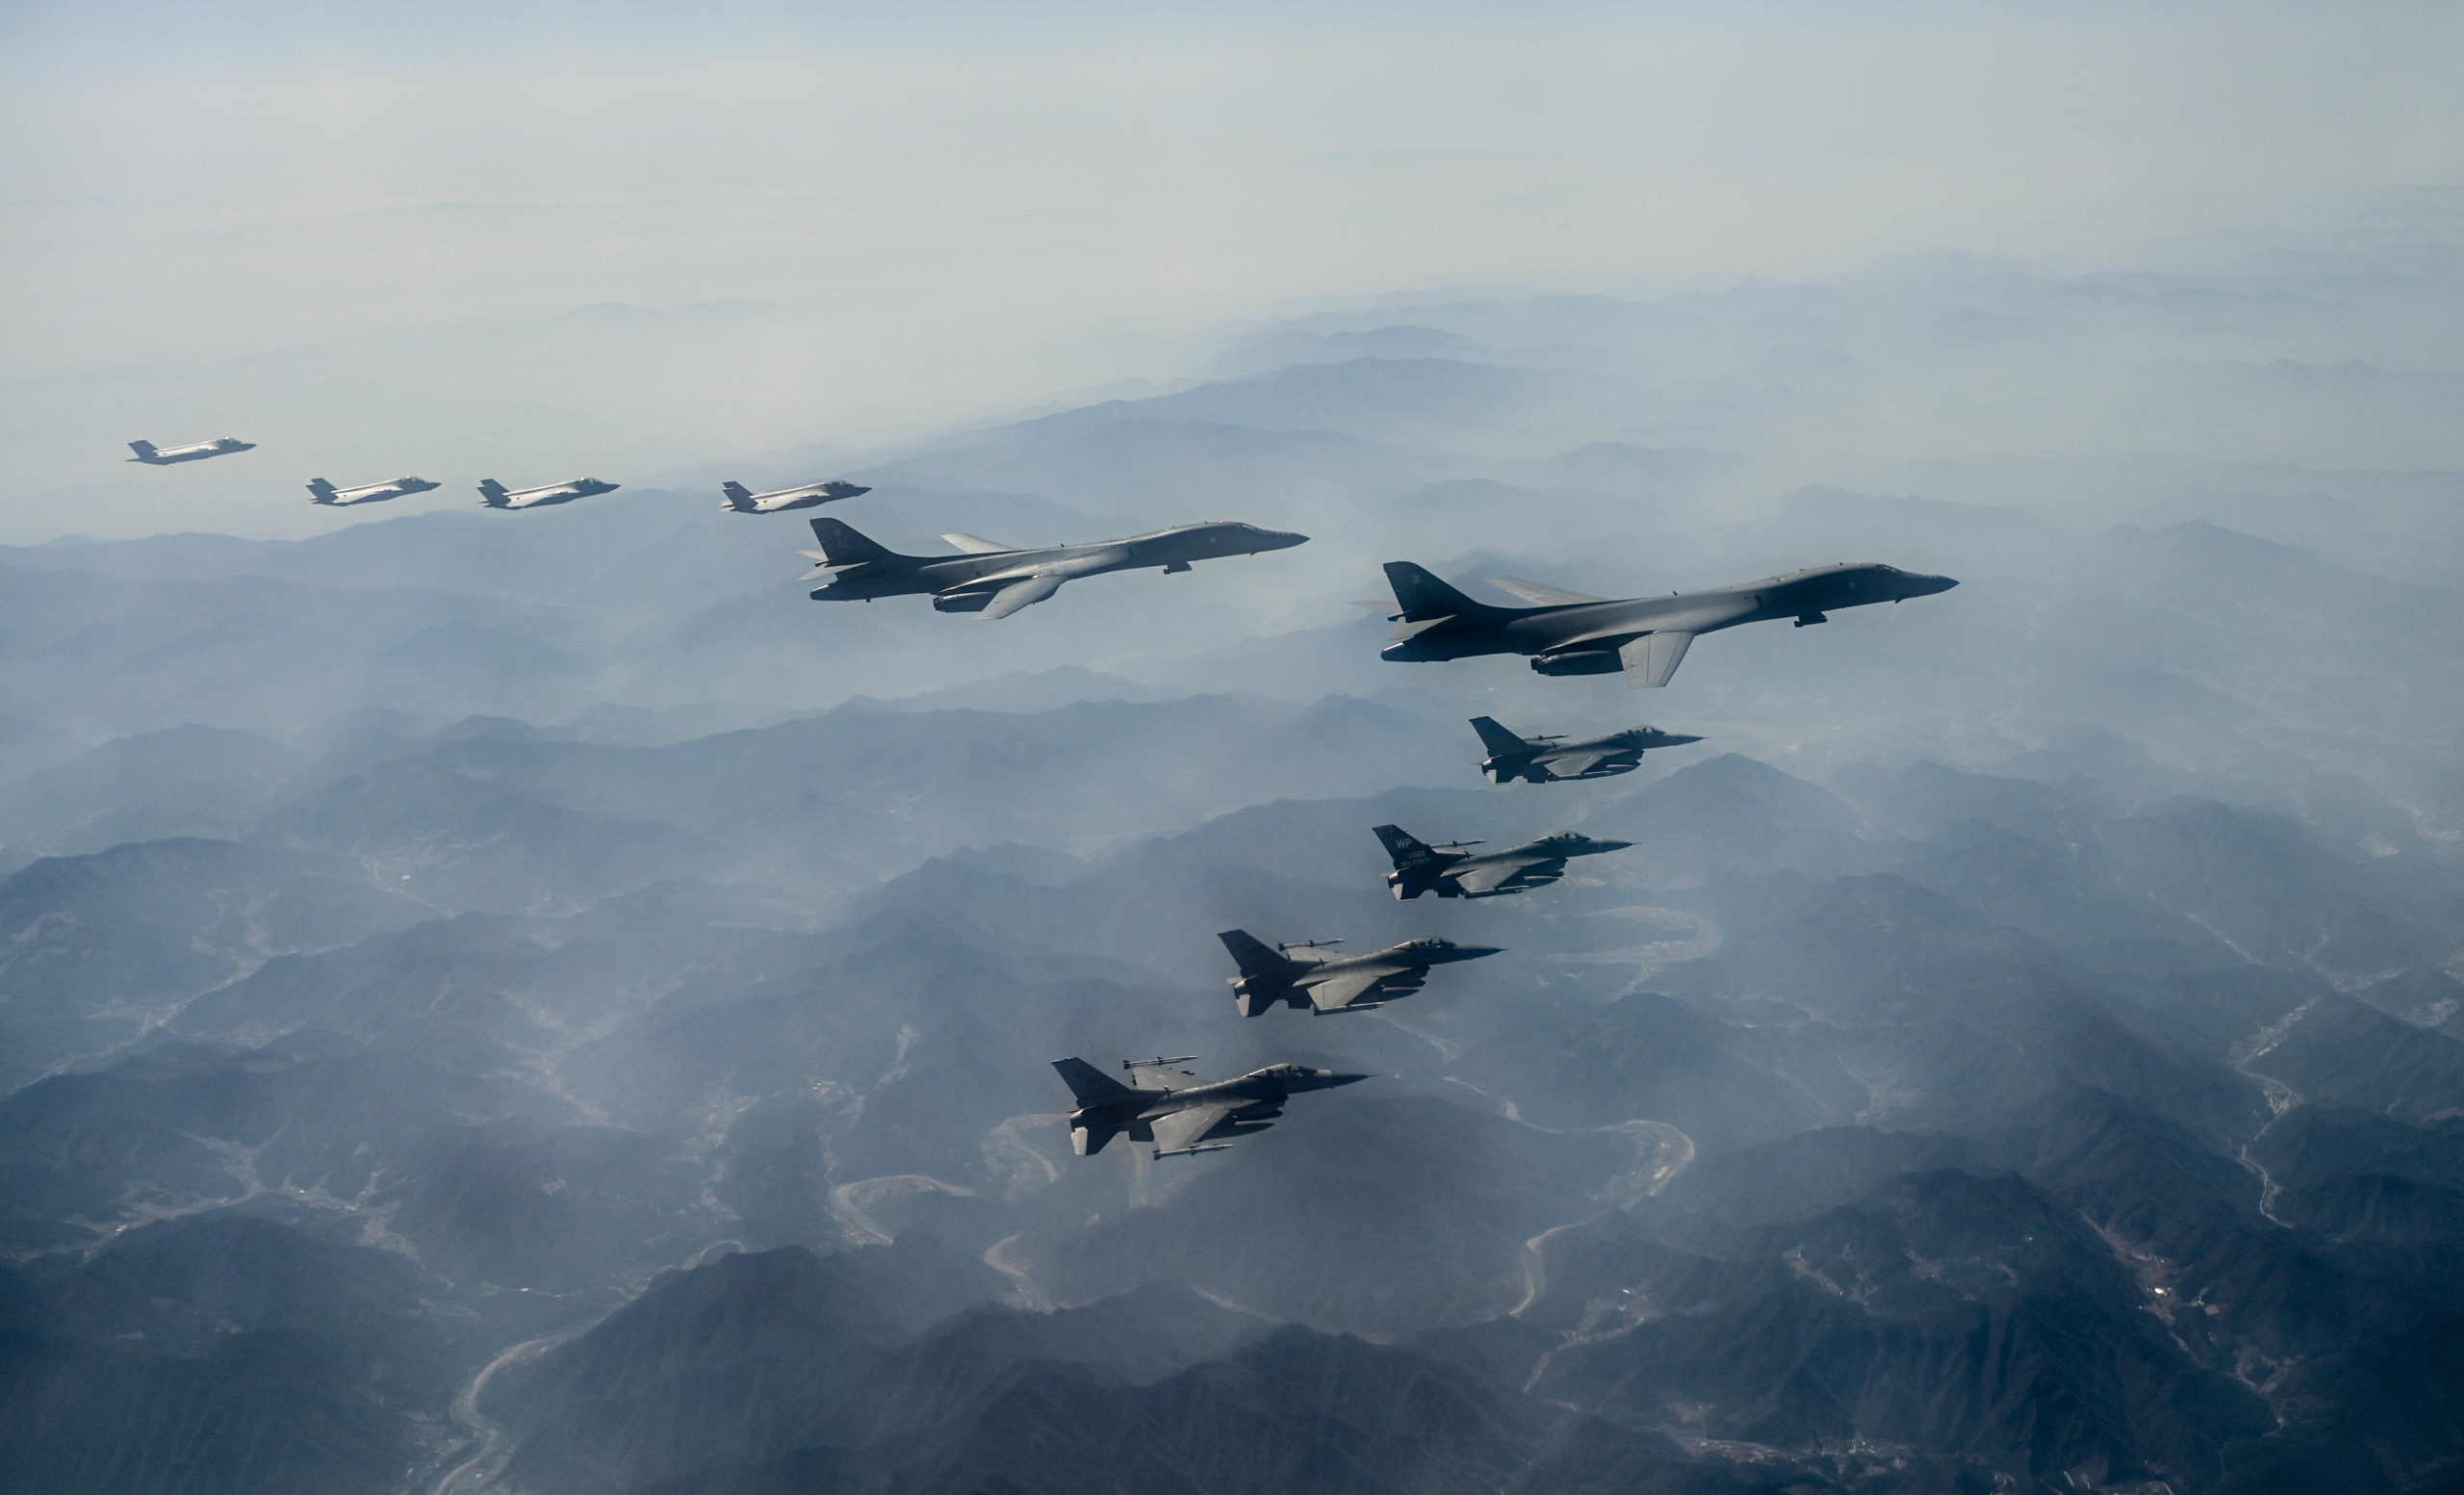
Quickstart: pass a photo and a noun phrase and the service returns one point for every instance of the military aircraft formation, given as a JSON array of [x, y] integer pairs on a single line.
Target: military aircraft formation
[[733, 496], [1562, 632]]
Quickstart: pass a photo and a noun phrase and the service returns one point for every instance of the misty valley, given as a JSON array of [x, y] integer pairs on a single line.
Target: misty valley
[[541, 1005]]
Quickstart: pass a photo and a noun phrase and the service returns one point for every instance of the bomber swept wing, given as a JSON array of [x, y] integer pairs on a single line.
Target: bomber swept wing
[[1540, 595], [1651, 660], [977, 545], [1019, 594]]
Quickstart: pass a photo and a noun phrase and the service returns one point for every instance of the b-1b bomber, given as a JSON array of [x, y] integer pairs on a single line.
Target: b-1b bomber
[[1646, 638], [1553, 759], [997, 579], [1181, 1119], [1452, 869], [1308, 974]]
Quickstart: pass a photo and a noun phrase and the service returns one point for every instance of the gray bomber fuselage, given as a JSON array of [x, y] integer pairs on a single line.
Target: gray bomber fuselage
[[1584, 638], [859, 570]]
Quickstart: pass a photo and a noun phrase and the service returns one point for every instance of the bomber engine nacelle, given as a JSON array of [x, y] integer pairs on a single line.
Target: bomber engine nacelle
[[1579, 661]]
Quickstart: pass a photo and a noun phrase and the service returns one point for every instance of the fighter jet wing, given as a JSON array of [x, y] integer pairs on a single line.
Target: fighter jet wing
[[1024, 593], [1540, 595], [976, 546], [1651, 660], [1574, 765], [1490, 876], [1339, 992], [1188, 1128]]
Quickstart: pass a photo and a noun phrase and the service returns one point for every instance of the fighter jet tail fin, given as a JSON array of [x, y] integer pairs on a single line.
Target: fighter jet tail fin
[[1090, 1085], [144, 450], [1407, 850], [1251, 954], [1421, 595], [843, 545], [739, 497], [1496, 738], [320, 491], [492, 493]]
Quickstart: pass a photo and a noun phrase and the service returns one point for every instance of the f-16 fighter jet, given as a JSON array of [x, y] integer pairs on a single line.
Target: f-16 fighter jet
[[1180, 1119], [1454, 872], [1550, 759], [1569, 633], [997, 581], [744, 501], [153, 455], [1307, 974], [493, 494], [320, 491]]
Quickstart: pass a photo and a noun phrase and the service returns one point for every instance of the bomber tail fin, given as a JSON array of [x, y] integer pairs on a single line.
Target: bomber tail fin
[[492, 493], [739, 497], [1422, 595], [843, 545], [1496, 738], [320, 491], [1090, 1085]]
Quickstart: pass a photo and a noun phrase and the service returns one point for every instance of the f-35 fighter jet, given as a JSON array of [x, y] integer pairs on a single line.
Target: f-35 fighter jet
[[1454, 872], [494, 495], [153, 455], [1569, 633], [1307, 974], [997, 581], [1181, 1119], [320, 491], [1551, 760], [744, 501]]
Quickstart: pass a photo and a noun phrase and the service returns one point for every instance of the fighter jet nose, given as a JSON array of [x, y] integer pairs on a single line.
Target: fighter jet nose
[[1472, 952], [1336, 1077], [1610, 846]]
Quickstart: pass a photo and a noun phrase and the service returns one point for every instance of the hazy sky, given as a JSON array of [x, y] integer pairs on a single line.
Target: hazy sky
[[349, 232]]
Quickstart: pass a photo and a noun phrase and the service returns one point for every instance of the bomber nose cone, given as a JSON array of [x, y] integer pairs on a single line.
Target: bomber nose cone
[[1279, 539], [1926, 587]]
